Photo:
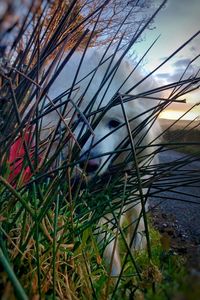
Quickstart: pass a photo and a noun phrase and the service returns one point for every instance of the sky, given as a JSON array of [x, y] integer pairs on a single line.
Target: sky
[[175, 24]]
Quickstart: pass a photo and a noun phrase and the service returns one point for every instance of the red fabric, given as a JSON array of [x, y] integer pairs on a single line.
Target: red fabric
[[16, 158]]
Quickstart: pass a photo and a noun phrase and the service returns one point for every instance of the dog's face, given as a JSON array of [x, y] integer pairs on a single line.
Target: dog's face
[[101, 85], [97, 153]]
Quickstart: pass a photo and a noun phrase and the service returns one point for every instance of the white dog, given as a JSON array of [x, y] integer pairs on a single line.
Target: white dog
[[92, 85]]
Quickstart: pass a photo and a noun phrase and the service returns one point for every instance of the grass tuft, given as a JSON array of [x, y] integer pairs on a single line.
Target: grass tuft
[[49, 220]]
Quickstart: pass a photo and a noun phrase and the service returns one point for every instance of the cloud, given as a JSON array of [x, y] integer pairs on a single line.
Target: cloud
[[194, 46], [163, 75], [193, 49], [181, 63], [163, 58], [178, 69]]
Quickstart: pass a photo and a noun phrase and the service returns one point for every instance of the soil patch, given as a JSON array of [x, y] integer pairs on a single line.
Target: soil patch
[[181, 243]]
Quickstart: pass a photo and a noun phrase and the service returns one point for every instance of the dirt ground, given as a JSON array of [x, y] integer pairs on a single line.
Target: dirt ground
[[176, 214], [180, 241], [182, 244]]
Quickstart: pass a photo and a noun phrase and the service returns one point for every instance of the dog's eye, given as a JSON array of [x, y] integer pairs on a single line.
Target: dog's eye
[[81, 118], [113, 123]]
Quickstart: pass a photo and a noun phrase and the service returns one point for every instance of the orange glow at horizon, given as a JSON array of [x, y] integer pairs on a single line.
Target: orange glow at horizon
[[174, 115]]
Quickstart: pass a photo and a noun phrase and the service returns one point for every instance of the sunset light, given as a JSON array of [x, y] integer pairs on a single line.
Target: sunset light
[[175, 115]]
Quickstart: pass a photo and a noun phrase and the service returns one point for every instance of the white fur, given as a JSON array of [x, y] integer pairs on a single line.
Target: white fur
[[133, 109]]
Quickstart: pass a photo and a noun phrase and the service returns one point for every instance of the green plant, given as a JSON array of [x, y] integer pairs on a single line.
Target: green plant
[[48, 234]]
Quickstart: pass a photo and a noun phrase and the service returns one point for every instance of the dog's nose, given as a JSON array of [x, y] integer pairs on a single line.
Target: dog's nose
[[91, 165]]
